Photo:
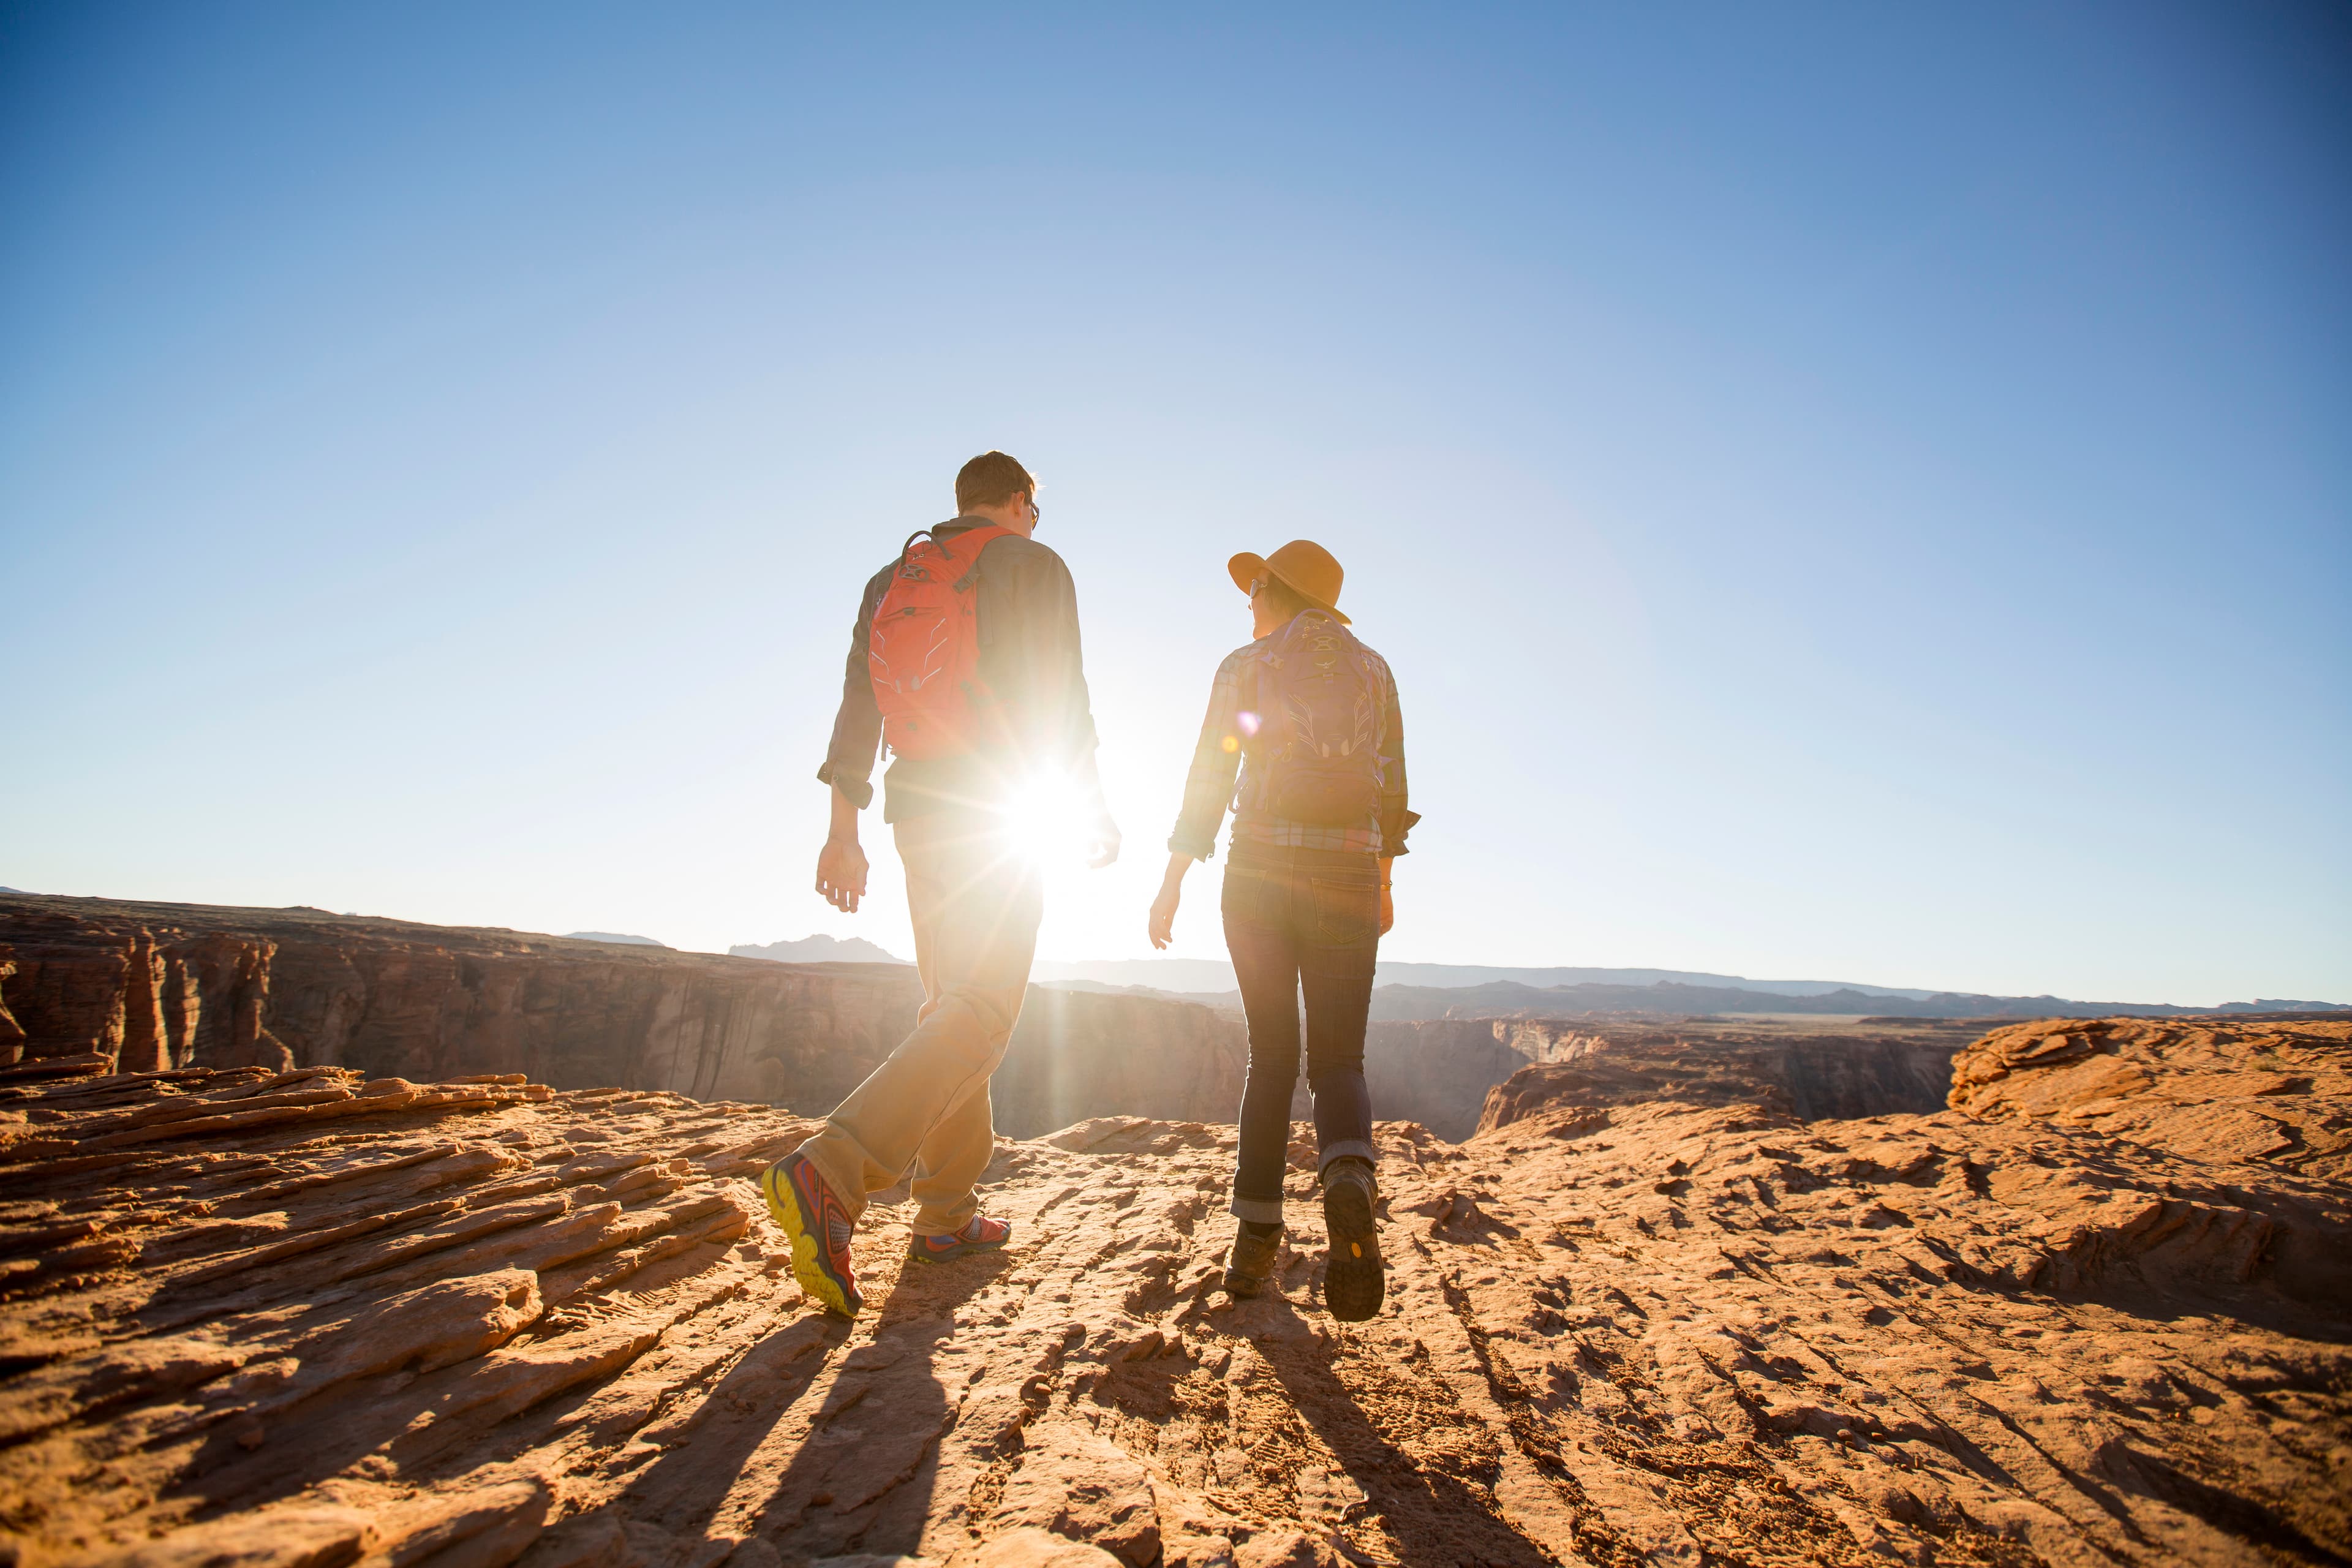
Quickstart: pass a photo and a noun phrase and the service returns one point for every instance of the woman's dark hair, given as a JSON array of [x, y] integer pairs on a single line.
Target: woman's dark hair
[[991, 479], [1283, 600]]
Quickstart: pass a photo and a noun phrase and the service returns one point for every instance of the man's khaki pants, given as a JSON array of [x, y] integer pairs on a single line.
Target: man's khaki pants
[[975, 901]]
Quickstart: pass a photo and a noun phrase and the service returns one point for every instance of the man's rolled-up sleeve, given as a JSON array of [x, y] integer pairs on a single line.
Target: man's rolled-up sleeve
[[857, 723]]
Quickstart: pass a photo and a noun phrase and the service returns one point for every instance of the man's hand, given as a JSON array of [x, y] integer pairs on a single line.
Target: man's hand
[[841, 874], [1388, 910], [1102, 842]]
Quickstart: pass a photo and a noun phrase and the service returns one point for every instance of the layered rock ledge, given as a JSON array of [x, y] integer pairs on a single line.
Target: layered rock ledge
[[310, 1318]]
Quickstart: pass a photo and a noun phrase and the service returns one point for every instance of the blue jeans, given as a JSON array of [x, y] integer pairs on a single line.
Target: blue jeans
[[1297, 917]]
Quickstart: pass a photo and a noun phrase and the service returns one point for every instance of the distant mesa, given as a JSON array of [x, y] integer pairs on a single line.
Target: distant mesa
[[613, 936], [1447, 995], [1444, 976], [817, 950], [1175, 976], [1187, 975], [1510, 1000]]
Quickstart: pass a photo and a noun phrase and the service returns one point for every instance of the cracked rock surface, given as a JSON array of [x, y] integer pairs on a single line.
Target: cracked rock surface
[[268, 1318]]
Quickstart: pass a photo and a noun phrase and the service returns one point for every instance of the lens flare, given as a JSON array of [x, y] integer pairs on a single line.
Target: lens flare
[[1047, 819]]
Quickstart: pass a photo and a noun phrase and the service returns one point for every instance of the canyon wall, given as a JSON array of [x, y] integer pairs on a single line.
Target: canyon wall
[[1442, 1072], [155, 987], [1438, 1073], [1810, 1077], [140, 987]]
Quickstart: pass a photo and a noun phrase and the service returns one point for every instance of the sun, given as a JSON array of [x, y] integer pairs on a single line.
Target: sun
[[1047, 819]]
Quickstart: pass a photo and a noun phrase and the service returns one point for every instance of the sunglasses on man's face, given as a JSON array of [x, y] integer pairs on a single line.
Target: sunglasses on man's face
[[1034, 511]]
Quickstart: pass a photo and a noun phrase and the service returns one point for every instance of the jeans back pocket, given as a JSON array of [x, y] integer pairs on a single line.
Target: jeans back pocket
[[1255, 897], [1347, 910]]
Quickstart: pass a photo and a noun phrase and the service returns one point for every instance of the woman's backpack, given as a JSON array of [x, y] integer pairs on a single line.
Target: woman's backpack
[[923, 648], [1320, 698]]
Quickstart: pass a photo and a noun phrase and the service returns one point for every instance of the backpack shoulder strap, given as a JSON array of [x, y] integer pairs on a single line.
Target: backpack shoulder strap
[[986, 535]]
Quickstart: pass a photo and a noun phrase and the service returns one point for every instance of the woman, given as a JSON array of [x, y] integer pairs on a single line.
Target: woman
[[1307, 716]]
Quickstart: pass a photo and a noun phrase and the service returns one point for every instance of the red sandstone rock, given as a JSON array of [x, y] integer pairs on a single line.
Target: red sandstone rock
[[2218, 1090], [1704, 1062], [481, 1324]]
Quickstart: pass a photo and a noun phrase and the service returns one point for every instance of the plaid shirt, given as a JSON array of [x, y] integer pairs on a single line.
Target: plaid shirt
[[1219, 760]]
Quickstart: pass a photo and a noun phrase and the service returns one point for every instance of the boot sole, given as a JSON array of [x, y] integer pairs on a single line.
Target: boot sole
[[816, 1281], [1353, 1284]]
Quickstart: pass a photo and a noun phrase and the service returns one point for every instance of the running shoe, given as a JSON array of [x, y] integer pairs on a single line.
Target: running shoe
[[805, 1203], [982, 1235], [1352, 1281]]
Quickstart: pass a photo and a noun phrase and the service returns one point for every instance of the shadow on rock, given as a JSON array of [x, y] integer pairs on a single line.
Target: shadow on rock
[[859, 1476], [1440, 1509]]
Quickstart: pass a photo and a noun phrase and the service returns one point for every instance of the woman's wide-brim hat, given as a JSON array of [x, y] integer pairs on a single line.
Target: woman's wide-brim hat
[[1304, 566]]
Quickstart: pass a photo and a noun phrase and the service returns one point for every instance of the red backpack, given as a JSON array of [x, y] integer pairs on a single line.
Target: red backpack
[[923, 650]]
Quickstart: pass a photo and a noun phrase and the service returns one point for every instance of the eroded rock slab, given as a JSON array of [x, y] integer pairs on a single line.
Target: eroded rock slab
[[485, 1324], [2273, 1091]]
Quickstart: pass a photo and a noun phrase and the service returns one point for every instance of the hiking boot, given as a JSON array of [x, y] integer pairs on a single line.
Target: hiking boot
[[805, 1205], [1352, 1282], [1251, 1261], [980, 1235]]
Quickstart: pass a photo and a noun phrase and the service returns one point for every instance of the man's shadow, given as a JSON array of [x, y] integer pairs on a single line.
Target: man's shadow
[[682, 1489], [865, 1472], [1435, 1517], [863, 1480]]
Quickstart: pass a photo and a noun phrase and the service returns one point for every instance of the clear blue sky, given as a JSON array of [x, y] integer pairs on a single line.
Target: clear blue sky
[[1848, 491]]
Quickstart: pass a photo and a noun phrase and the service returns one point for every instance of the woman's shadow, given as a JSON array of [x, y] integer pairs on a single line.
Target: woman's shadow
[[1436, 1515]]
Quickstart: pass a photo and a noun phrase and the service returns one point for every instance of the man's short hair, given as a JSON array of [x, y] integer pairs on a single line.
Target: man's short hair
[[991, 479]]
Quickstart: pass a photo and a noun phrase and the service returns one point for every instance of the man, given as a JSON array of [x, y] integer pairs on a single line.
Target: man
[[972, 675]]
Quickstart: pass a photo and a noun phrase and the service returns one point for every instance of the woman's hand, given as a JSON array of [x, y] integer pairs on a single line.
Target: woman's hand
[[1388, 897], [1162, 926], [1163, 916]]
